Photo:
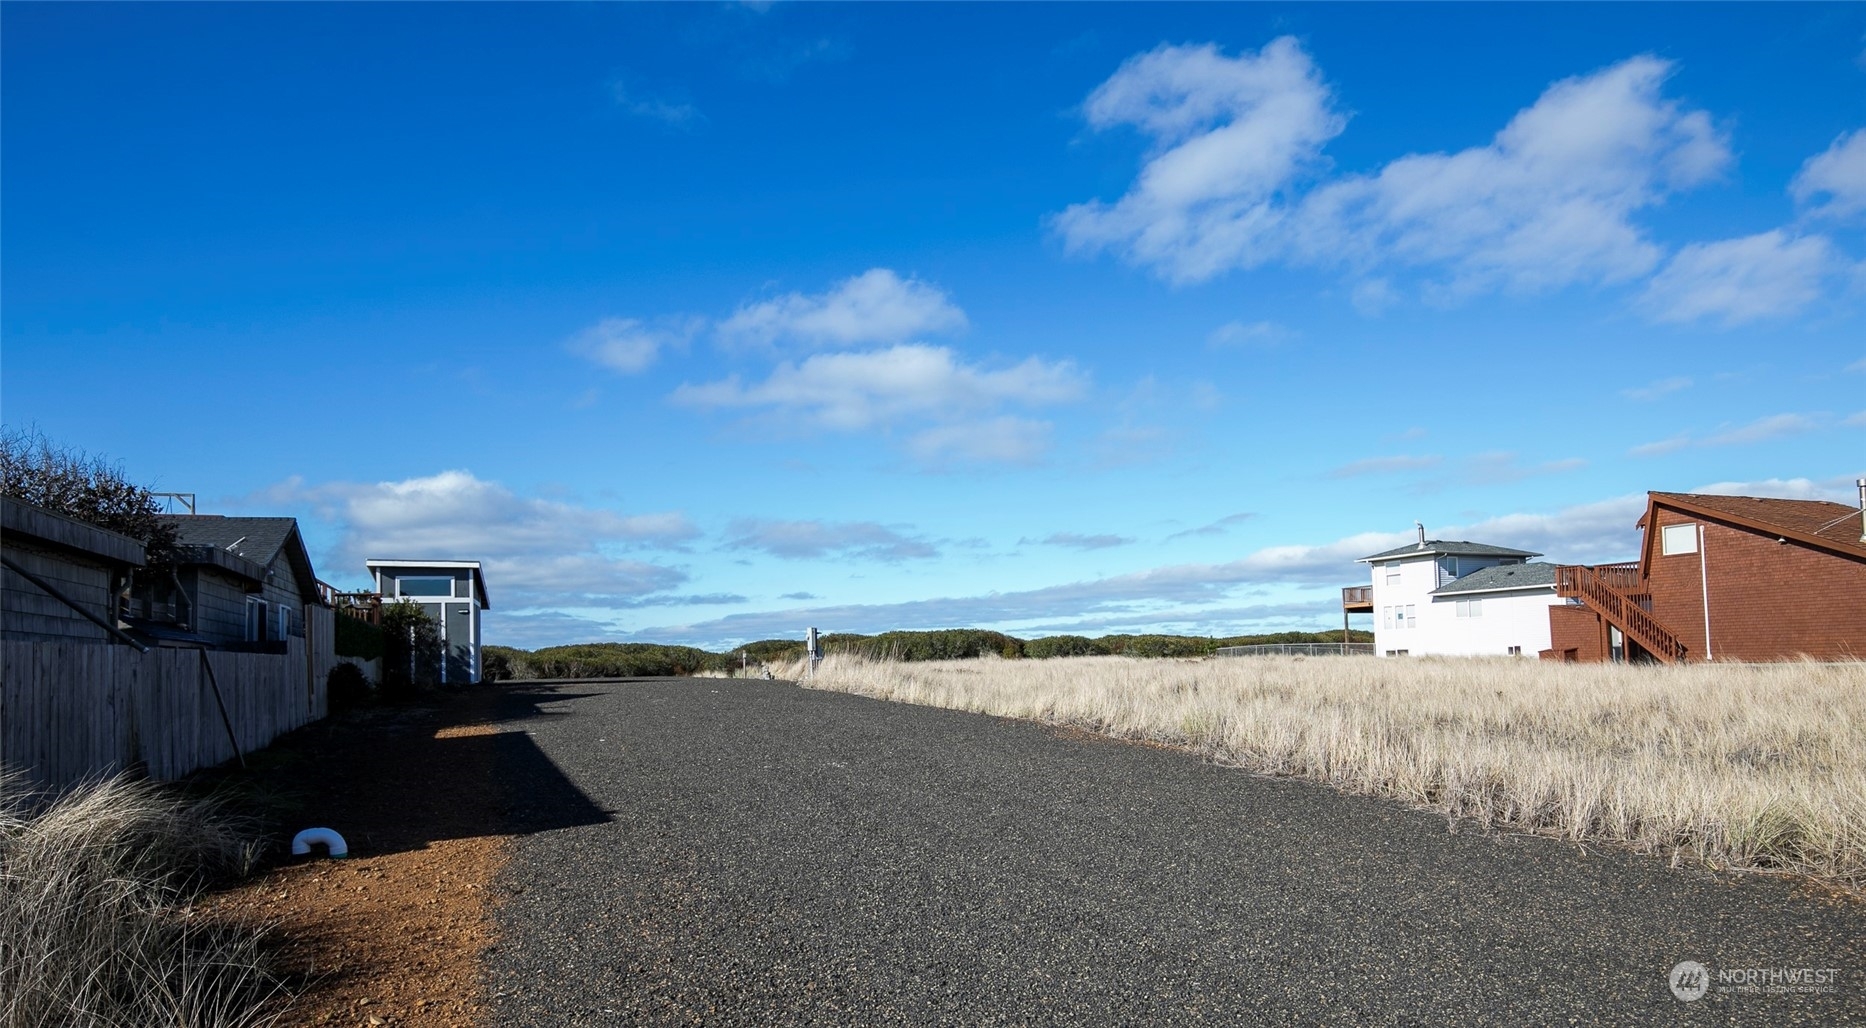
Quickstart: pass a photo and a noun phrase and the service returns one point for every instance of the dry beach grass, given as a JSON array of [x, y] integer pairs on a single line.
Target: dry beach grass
[[1747, 767], [97, 923]]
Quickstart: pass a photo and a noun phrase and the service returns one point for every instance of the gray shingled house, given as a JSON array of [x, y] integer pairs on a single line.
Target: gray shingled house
[[80, 569], [239, 582]]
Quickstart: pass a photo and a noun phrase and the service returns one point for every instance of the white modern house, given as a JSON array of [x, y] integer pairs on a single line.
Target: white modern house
[[453, 592], [1453, 598]]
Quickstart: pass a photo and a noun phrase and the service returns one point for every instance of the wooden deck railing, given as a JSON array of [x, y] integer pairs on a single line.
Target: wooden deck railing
[[363, 606], [1624, 577], [1357, 596], [1619, 607]]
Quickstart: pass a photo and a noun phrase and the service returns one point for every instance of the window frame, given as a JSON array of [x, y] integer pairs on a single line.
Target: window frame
[[401, 582], [1668, 533]]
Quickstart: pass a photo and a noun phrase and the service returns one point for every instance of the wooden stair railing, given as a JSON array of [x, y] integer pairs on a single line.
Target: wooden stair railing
[[1619, 608]]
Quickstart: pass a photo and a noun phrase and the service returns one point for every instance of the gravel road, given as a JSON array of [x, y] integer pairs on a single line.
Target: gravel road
[[782, 856]]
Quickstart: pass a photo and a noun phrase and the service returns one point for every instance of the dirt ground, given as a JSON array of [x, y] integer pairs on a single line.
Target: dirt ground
[[394, 934]]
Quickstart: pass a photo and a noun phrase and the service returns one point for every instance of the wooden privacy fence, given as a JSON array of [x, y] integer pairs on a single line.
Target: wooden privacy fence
[[69, 710]]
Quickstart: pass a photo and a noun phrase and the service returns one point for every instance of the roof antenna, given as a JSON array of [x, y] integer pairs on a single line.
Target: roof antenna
[[1420, 525]]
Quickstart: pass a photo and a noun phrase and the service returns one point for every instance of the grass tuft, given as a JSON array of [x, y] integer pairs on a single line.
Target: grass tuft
[[96, 926]]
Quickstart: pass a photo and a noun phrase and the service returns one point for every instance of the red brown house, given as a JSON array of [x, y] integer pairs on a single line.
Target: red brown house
[[1722, 578]]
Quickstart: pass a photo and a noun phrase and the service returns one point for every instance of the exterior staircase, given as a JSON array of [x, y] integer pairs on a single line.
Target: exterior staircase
[[1611, 590]]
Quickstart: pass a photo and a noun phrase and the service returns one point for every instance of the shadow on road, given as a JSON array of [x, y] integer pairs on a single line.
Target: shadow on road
[[397, 778]]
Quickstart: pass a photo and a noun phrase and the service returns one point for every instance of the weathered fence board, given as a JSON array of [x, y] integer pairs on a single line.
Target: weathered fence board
[[73, 709]]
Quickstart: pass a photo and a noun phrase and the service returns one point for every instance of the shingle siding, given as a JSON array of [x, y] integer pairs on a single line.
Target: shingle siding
[[1769, 600], [220, 605], [27, 612]]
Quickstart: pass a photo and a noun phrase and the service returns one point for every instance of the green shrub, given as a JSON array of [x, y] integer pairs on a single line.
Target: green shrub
[[628, 660], [623, 660], [346, 687], [773, 651], [357, 638], [411, 651], [1157, 645], [1063, 646], [503, 663], [944, 644]]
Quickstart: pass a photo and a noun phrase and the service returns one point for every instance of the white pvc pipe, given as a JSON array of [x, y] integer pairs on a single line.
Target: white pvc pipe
[[303, 841]]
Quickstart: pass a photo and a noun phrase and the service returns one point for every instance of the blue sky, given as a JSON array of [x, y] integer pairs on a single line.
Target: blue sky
[[705, 323]]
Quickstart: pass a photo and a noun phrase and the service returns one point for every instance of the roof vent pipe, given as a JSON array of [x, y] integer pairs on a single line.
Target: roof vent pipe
[[1863, 510], [1420, 525]]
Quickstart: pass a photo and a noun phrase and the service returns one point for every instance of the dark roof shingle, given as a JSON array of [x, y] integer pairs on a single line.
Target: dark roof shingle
[[1834, 526], [258, 540], [1534, 575], [1444, 548]]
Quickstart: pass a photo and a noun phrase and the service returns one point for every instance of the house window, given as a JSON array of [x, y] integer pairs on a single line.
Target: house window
[[1676, 539], [1470, 608], [1393, 574], [1398, 653], [255, 620], [427, 586], [285, 622], [1412, 618], [1516, 651]]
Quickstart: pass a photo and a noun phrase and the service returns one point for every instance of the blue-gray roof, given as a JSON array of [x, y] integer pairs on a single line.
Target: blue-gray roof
[[1444, 548], [258, 540], [1534, 575]]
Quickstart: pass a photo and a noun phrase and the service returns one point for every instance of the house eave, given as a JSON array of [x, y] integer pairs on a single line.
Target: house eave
[[1448, 591]]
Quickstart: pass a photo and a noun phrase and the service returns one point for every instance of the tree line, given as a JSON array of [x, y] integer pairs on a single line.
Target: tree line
[[628, 660]]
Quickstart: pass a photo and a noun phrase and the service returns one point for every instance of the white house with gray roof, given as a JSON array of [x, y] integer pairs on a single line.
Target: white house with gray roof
[[1455, 598]]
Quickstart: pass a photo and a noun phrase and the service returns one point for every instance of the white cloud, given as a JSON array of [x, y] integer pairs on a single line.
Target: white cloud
[[680, 115], [1229, 137], [1501, 467], [1548, 202], [1386, 465], [1584, 533], [629, 345], [1733, 281], [1660, 447], [1252, 334], [857, 391], [1856, 420], [1000, 440], [1761, 430], [1775, 426], [877, 306], [1078, 541], [1858, 365], [1839, 489], [1374, 297], [1838, 174], [1662, 387], [801, 540], [534, 551], [1219, 527]]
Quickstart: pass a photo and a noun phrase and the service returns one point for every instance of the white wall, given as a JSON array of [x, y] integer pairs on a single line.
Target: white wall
[[1418, 577], [1508, 619], [1519, 618]]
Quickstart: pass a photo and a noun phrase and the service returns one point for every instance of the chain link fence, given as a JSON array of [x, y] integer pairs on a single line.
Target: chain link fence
[[1298, 649]]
